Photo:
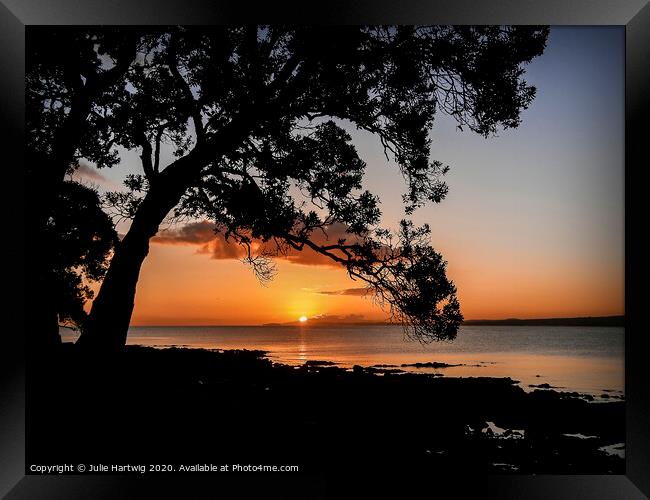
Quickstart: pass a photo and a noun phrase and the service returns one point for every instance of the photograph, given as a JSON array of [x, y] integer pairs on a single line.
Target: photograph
[[290, 248]]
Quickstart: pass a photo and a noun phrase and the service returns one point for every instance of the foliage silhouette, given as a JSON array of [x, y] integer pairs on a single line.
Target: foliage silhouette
[[69, 73], [255, 114], [82, 237]]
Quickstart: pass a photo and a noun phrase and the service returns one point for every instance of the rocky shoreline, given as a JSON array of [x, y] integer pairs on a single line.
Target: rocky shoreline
[[181, 404]]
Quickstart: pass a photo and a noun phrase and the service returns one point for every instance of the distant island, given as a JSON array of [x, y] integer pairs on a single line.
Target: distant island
[[579, 321], [582, 321], [330, 322]]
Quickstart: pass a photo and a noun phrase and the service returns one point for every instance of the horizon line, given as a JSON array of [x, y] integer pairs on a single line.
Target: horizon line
[[376, 322]]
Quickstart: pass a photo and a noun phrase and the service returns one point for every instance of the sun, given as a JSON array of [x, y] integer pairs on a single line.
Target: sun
[[302, 319]]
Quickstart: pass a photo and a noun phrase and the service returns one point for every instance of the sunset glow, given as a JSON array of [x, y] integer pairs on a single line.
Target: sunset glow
[[533, 234], [302, 319]]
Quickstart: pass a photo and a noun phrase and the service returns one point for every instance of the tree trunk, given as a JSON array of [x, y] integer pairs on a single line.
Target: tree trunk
[[108, 322], [45, 175]]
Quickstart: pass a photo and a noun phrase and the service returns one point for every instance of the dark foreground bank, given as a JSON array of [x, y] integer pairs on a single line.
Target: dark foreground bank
[[192, 406]]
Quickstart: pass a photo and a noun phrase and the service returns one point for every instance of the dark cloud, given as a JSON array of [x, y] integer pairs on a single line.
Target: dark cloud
[[220, 249], [214, 244], [191, 234], [202, 234]]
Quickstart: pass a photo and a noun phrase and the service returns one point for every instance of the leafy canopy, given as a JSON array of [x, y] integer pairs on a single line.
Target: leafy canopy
[[254, 116]]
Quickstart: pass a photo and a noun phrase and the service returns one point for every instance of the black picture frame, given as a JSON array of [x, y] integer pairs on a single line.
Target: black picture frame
[[633, 14]]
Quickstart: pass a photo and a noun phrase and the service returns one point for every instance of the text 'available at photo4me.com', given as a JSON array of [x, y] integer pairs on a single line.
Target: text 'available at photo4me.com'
[[156, 468]]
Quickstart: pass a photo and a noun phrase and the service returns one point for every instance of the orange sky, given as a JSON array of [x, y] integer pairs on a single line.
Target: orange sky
[[181, 286], [207, 291]]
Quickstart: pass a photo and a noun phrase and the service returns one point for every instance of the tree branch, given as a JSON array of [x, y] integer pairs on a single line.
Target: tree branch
[[147, 165], [159, 133], [68, 137], [187, 93]]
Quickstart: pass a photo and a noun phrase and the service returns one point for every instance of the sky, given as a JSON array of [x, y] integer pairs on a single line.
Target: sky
[[532, 226]]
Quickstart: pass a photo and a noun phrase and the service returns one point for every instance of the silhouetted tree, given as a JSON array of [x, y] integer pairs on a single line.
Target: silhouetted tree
[[79, 236], [70, 73], [254, 115]]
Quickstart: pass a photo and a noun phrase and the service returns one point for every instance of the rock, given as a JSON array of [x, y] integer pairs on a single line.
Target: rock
[[430, 364]]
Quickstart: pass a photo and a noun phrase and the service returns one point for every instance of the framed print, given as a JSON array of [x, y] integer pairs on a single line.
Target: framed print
[[273, 250]]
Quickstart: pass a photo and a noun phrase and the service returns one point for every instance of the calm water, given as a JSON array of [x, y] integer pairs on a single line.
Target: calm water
[[583, 359]]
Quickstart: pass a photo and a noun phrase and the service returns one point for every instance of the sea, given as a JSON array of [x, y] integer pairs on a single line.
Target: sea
[[587, 360]]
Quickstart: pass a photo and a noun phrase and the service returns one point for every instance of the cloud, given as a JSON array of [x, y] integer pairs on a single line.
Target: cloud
[[308, 257], [190, 234], [220, 249], [359, 292], [202, 234], [85, 172], [335, 318], [214, 244]]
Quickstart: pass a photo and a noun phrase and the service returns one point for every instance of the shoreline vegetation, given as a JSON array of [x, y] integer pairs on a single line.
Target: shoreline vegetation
[[237, 406]]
